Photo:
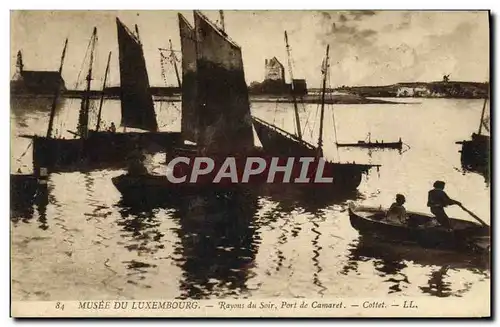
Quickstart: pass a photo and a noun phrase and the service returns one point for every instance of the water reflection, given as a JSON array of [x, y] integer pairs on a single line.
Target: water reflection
[[390, 261], [28, 200], [140, 230], [41, 202], [219, 241], [309, 198], [20, 105], [24, 107], [316, 254], [314, 203]]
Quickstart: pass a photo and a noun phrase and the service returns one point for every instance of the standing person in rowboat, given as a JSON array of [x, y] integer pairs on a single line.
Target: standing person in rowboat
[[437, 200], [397, 212]]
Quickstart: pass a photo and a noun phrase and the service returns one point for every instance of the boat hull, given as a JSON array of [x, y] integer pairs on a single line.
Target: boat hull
[[475, 153], [369, 221], [99, 150], [277, 142], [153, 190], [150, 189], [387, 145]]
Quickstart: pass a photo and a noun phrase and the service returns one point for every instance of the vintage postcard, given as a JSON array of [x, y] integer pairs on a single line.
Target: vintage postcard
[[250, 163]]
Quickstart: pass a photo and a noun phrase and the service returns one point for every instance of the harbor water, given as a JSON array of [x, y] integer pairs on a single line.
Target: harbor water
[[83, 243]]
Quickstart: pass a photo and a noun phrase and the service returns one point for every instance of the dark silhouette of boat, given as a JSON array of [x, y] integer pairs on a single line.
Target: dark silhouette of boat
[[475, 152], [26, 190], [370, 221], [23, 188], [94, 148], [215, 110], [373, 145], [278, 142]]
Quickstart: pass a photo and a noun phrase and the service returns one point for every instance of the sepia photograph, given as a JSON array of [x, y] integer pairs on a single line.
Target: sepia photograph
[[237, 163]]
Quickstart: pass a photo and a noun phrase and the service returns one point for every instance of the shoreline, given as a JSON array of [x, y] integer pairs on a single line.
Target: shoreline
[[309, 99]]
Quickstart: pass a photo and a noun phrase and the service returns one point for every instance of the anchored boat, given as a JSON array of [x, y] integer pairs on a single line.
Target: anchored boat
[[216, 116], [276, 141], [373, 145], [94, 148], [475, 152]]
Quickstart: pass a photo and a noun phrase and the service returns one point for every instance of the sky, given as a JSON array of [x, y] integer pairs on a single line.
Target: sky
[[366, 47]]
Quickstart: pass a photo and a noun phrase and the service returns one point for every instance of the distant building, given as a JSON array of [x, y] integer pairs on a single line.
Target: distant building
[[274, 81], [417, 91], [274, 70], [35, 82]]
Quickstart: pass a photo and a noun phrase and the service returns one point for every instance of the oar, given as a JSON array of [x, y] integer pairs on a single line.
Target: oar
[[473, 215]]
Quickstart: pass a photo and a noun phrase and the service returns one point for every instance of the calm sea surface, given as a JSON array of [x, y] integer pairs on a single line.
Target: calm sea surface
[[84, 244]]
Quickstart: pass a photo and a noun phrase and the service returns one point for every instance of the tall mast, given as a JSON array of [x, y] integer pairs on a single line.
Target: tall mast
[[102, 94], [297, 118], [325, 73], [173, 58], [482, 116], [221, 13], [84, 111], [54, 102]]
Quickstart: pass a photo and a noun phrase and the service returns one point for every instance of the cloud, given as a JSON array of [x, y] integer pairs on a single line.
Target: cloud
[[389, 47]]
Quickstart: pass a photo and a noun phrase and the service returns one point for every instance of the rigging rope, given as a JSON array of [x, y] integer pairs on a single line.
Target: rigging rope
[[328, 79], [25, 151], [275, 112], [311, 130], [163, 62], [77, 84], [315, 120]]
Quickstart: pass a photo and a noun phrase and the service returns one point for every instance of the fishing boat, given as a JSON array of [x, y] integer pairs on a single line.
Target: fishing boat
[[279, 142], [475, 152], [465, 235], [216, 118], [373, 145], [91, 148]]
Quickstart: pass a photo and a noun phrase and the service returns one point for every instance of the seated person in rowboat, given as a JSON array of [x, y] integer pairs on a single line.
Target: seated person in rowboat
[[397, 212], [437, 200], [112, 128]]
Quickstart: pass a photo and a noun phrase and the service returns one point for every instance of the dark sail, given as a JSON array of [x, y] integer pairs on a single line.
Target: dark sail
[[137, 102], [189, 120], [223, 105]]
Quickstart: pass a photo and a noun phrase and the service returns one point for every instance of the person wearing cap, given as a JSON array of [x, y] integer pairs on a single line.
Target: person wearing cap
[[397, 212], [437, 200]]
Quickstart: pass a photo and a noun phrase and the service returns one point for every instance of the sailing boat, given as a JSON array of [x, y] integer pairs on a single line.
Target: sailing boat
[[97, 148], [49, 151], [475, 153], [137, 106], [216, 115], [277, 141]]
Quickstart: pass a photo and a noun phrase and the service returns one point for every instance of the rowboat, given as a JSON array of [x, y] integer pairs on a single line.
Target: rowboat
[[377, 144], [466, 235]]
